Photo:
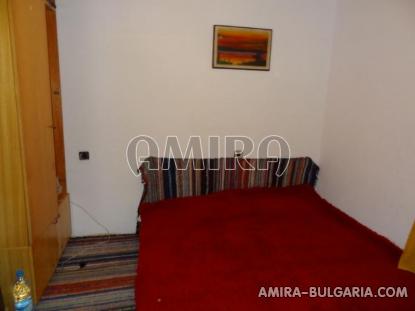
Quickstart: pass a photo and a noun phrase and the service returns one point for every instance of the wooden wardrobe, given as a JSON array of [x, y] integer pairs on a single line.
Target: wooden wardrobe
[[34, 203]]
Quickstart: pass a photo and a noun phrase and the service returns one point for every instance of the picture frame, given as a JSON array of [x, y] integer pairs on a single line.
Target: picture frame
[[237, 47]]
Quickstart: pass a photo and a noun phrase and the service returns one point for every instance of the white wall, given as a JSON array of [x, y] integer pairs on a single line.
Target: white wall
[[367, 164], [134, 67]]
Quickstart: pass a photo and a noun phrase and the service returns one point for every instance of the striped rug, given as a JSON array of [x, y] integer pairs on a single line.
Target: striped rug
[[100, 277]]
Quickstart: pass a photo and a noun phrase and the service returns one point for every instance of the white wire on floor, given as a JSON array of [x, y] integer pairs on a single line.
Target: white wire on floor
[[62, 265]]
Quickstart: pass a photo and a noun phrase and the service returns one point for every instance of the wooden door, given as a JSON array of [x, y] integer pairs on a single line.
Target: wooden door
[[64, 218], [55, 86], [64, 223], [15, 252], [30, 38]]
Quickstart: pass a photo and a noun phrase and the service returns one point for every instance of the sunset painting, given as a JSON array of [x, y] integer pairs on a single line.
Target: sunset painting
[[241, 48]]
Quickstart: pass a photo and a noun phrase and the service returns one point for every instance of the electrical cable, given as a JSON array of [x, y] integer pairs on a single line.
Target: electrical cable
[[62, 265]]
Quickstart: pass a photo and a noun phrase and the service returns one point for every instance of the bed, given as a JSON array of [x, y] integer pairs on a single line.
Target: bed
[[257, 240]]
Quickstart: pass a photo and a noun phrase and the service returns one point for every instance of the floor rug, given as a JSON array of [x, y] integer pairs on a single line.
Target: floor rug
[[94, 273]]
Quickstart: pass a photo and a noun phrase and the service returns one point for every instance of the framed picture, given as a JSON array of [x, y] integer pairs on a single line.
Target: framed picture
[[241, 48]]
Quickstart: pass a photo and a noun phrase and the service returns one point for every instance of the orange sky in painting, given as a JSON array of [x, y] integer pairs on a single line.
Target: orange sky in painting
[[252, 33], [243, 39]]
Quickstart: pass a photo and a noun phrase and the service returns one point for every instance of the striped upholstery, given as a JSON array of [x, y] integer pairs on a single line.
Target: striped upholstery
[[197, 179]]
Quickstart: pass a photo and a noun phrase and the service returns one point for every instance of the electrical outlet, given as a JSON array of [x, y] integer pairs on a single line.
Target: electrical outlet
[[238, 154], [84, 155]]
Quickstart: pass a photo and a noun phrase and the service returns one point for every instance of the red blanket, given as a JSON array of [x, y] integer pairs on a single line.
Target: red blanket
[[239, 249]]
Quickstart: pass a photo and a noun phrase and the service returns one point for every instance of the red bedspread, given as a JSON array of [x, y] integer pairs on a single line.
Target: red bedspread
[[217, 252]]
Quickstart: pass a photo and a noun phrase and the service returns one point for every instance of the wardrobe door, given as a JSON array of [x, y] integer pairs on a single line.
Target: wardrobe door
[[15, 252], [55, 87], [30, 36], [64, 221]]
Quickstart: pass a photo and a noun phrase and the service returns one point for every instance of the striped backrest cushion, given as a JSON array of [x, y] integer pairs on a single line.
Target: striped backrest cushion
[[168, 178]]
